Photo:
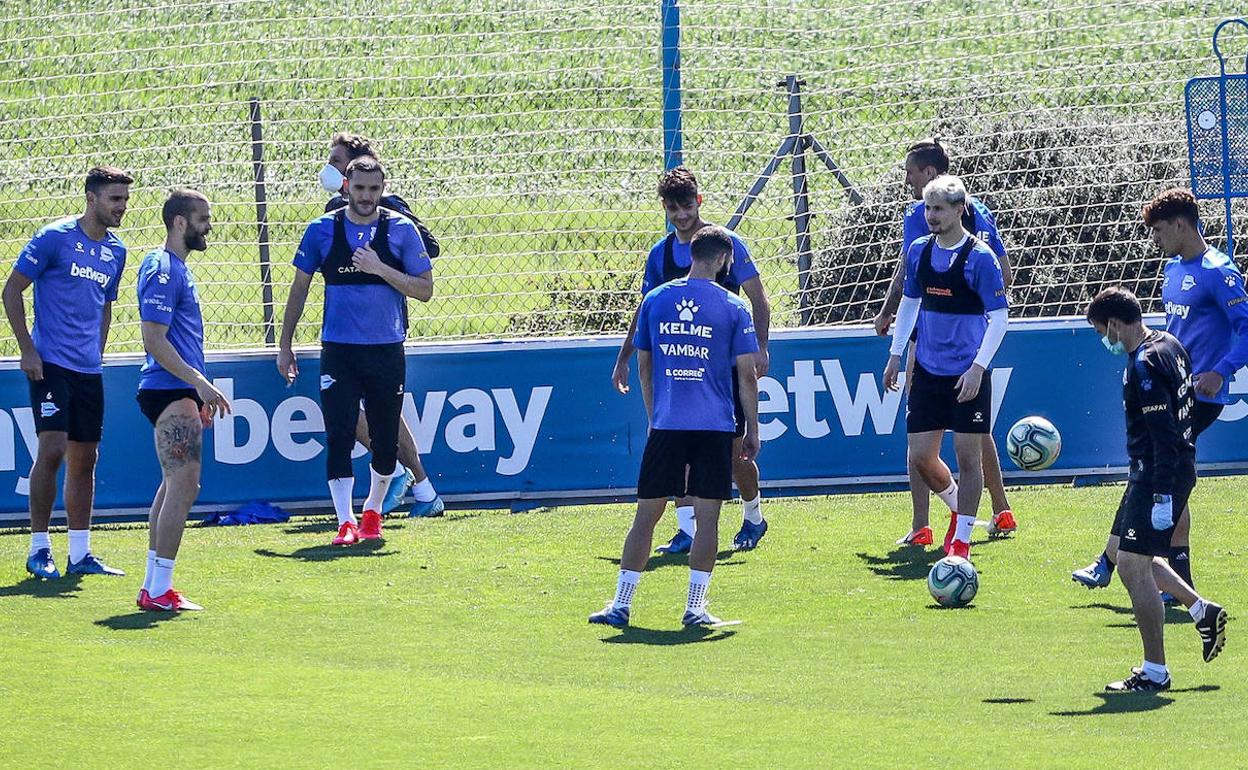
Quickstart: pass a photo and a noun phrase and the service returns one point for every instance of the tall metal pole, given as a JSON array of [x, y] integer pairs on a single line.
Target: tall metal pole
[[262, 221], [801, 193], [673, 128]]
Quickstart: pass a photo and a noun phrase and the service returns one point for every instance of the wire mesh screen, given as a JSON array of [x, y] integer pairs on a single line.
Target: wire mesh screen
[[527, 135]]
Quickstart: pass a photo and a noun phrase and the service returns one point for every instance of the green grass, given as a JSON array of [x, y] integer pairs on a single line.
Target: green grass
[[462, 642], [529, 133]]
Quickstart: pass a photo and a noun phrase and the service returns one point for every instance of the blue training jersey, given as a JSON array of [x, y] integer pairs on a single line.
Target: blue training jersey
[[914, 226], [167, 296], [73, 278], [1207, 310], [365, 314], [694, 329], [742, 269], [947, 342]]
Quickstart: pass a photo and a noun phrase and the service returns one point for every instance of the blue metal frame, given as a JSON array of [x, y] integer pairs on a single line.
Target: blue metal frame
[[673, 128]]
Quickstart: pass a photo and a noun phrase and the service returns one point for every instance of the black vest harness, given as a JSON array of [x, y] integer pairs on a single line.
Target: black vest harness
[[948, 291], [338, 269], [672, 271]]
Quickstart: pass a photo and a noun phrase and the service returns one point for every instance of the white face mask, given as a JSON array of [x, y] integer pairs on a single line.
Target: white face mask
[[331, 179]]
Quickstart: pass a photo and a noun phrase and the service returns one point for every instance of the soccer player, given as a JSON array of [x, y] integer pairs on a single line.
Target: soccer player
[[343, 148], [174, 391], [690, 334], [1207, 310], [955, 293], [372, 260], [668, 260], [1157, 396], [926, 160], [75, 265]]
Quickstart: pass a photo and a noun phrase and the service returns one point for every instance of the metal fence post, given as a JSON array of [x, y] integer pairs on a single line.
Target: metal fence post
[[262, 220], [801, 193], [673, 129]]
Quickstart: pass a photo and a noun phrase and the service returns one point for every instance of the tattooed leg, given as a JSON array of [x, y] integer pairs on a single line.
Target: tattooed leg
[[179, 444]]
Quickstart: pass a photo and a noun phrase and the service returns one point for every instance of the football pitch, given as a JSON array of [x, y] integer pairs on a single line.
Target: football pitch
[[463, 642]]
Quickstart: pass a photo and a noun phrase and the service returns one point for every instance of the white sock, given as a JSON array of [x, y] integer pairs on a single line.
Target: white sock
[[1197, 610], [950, 496], [1155, 672], [685, 520], [340, 491], [162, 576], [151, 567], [753, 509], [966, 524], [378, 486], [39, 540], [625, 587], [423, 491], [79, 544], [699, 583]]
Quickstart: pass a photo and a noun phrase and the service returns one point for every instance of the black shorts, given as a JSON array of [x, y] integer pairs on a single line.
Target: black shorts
[[1133, 523], [153, 402], [69, 401], [1203, 416], [677, 463], [933, 404]]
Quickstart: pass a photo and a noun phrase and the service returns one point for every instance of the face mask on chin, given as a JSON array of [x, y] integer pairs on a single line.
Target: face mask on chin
[[331, 179], [1116, 348]]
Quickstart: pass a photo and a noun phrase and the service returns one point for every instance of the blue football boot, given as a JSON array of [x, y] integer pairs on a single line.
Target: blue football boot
[[681, 542], [1098, 574], [41, 565], [91, 566], [398, 488], [704, 618], [616, 617], [750, 535], [427, 510]]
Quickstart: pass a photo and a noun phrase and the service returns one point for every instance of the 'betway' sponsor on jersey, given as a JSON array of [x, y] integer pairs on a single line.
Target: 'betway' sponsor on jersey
[[1174, 308], [683, 329], [88, 272]]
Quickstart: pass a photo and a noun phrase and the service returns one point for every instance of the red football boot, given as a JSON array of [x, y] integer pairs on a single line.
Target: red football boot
[[169, 601], [1002, 524], [348, 534], [370, 526], [960, 548], [953, 528], [917, 537]]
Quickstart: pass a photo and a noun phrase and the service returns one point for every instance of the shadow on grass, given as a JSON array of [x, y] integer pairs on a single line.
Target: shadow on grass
[[1007, 701], [634, 635], [1131, 703], [139, 620], [912, 562], [319, 553], [63, 588], [1174, 615], [658, 561]]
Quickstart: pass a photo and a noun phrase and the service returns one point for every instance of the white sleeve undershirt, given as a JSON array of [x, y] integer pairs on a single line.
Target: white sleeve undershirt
[[907, 318], [998, 321]]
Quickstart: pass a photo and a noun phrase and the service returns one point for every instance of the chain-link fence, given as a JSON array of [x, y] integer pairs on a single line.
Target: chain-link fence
[[528, 136]]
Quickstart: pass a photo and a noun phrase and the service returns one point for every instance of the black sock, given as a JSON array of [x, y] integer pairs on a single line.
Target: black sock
[[1181, 562], [1108, 561]]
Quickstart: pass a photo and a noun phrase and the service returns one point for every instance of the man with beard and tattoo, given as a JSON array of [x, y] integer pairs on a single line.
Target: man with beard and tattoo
[[174, 391], [75, 265]]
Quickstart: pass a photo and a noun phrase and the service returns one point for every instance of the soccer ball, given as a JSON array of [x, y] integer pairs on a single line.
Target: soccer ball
[[953, 582], [1033, 443]]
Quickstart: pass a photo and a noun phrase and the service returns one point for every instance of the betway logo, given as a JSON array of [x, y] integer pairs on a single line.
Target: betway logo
[[296, 427], [88, 272], [852, 409], [1174, 308]]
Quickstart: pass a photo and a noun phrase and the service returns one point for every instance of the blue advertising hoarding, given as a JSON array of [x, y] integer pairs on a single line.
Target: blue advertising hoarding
[[524, 423]]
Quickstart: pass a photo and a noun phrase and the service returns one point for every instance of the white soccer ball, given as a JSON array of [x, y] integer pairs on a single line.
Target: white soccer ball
[[1033, 443], [953, 582]]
